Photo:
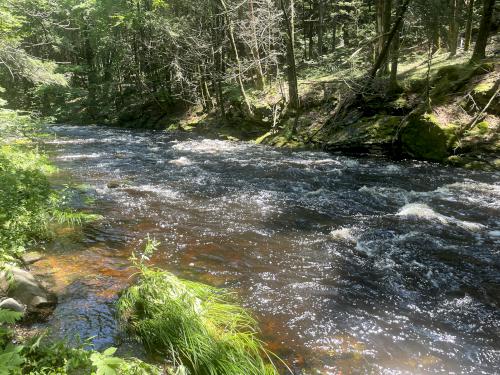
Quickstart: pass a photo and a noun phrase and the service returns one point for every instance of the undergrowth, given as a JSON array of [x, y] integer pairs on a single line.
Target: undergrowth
[[39, 356], [28, 205], [198, 328]]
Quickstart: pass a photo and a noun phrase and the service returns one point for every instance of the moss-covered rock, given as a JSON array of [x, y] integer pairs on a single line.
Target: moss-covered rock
[[423, 138], [374, 134]]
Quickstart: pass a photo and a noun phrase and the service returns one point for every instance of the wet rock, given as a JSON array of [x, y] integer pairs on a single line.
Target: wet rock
[[31, 257], [114, 184], [22, 286], [12, 304]]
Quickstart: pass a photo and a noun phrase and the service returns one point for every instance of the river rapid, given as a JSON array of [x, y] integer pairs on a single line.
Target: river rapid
[[352, 265]]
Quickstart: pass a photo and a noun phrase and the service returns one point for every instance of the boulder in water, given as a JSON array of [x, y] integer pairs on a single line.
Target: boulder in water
[[114, 184]]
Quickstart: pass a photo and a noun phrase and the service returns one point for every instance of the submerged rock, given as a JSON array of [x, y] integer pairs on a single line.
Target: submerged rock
[[114, 184]]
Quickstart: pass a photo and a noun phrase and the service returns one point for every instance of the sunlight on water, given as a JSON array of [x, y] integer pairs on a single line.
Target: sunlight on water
[[351, 265]]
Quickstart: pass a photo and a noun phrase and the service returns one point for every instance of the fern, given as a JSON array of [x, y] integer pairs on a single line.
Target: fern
[[9, 316]]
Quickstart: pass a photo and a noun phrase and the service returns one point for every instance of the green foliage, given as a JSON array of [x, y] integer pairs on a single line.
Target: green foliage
[[7, 317], [11, 359], [194, 325], [105, 363], [28, 205], [26, 199], [42, 357]]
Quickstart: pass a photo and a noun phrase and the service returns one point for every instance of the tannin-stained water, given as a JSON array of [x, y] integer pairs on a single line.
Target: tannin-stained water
[[351, 265]]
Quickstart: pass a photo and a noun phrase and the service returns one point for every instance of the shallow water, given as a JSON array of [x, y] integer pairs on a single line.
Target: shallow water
[[351, 265]]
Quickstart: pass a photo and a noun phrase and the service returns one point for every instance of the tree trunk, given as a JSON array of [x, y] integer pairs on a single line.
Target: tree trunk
[[468, 27], [91, 74], [334, 36], [234, 47], [345, 35], [260, 82], [311, 33], [390, 37], [484, 30], [394, 60], [453, 28], [436, 36], [216, 51], [386, 29], [293, 92], [321, 8], [379, 25]]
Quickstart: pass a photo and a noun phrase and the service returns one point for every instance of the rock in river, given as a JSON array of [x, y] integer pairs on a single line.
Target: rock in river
[[21, 286]]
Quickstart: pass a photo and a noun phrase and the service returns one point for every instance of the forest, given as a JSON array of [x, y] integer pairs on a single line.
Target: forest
[[249, 187]]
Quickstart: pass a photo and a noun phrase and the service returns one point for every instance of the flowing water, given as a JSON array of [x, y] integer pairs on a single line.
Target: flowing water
[[351, 265]]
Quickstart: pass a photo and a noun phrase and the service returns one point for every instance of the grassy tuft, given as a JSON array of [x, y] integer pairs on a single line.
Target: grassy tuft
[[198, 327]]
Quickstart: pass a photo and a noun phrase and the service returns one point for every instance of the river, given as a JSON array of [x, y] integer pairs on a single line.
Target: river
[[352, 265]]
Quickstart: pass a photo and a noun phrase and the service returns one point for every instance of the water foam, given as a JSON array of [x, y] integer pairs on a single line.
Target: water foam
[[423, 211], [345, 234], [182, 161]]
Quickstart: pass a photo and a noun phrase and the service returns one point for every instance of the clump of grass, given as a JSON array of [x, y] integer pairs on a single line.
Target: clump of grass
[[197, 327]]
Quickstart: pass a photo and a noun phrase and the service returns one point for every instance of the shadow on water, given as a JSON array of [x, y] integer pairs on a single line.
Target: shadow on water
[[352, 266]]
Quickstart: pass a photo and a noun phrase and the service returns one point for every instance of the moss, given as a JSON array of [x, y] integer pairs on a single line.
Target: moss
[[477, 165], [452, 78], [262, 138], [482, 127], [423, 138], [455, 160], [399, 103], [483, 87]]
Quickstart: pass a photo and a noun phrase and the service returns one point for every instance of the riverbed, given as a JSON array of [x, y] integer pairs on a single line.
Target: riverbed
[[351, 265]]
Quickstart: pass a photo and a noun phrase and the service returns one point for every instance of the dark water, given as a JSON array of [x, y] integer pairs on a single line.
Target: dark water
[[351, 265]]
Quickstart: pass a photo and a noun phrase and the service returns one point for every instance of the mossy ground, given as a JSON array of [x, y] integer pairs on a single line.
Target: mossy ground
[[380, 123]]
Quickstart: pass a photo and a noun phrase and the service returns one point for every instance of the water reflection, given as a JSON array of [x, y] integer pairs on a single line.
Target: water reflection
[[351, 265]]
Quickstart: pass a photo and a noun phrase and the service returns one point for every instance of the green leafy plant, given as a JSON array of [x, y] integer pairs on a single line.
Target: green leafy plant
[[105, 363], [11, 358]]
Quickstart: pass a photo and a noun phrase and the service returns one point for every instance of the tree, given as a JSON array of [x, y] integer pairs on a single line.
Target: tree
[[484, 30], [288, 8], [468, 27]]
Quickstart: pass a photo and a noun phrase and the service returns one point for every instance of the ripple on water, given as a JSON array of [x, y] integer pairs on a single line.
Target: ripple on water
[[352, 266]]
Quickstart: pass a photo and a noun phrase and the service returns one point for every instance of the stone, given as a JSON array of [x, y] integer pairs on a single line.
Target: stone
[[423, 138], [39, 302], [12, 304], [114, 184], [31, 257], [22, 286]]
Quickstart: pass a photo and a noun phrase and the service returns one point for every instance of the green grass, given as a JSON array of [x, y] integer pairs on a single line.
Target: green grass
[[195, 326]]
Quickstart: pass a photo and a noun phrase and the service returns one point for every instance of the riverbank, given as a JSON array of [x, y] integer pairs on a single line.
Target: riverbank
[[444, 112], [36, 215]]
